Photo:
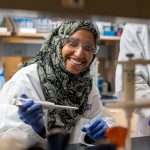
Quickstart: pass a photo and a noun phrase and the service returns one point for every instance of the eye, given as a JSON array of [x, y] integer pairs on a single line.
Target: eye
[[89, 48], [72, 42]]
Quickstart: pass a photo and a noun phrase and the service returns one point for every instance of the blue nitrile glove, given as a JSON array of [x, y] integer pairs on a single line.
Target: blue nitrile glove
[[96, 129], [32, 114]]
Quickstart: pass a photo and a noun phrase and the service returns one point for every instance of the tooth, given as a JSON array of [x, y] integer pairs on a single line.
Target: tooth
[[76, 62]]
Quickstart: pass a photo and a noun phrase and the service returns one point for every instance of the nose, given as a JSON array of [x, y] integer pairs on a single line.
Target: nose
[[79, 52]]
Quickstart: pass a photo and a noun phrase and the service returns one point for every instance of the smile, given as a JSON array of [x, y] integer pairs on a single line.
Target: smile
[[73, 61]]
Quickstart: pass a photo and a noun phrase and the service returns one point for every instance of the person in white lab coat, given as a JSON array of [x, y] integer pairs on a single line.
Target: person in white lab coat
[[136, 40], [59, 73]]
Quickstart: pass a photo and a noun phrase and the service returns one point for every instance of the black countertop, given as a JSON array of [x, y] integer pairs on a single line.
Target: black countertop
[[138, 143]]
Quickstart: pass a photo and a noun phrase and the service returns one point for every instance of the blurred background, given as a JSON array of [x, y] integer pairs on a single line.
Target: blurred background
[[24, 25]]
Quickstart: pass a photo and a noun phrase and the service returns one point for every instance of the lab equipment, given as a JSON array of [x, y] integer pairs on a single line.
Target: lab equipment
[[45, 105], [96, 129], [58, 140], [2, 77], [117, 135], [128, 102], [32, 113], [100, 85], [43, 25]]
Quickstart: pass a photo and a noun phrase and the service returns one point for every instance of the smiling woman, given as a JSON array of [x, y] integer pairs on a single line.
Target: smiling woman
[[78, 51], [60, 74]]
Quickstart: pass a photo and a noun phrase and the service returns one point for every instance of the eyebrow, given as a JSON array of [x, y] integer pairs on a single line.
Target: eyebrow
[[93, 44]]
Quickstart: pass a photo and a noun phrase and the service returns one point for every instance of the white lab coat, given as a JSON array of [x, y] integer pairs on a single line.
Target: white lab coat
[[136, 39], [27, 81]]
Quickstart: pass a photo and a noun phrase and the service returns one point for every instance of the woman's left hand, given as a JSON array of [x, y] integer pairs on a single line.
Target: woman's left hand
[[96, 129]]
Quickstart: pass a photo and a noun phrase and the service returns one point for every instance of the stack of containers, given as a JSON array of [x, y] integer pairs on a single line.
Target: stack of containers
[[43, 25], [2, 77], [24, 25]]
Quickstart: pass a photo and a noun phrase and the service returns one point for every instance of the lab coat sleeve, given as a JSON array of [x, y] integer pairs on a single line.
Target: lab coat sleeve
[[133, 41], [10, 124]]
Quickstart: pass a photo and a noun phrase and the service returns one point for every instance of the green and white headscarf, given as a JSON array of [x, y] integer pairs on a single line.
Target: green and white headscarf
[[58, 85]]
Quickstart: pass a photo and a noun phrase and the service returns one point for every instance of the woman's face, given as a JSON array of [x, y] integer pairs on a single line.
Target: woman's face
[[77, 53]]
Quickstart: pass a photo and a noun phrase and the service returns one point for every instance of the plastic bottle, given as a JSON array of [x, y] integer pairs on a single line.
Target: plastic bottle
[[105, 88], [2, 77]]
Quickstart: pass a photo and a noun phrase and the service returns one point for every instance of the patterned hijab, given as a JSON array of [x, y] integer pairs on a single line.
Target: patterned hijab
[[58, 85]]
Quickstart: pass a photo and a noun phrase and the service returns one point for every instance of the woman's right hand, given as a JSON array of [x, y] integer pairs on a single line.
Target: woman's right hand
[[32, 113]]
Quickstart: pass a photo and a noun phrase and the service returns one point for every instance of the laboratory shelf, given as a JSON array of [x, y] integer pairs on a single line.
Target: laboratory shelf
[[41, 35], [38, 38], [23, 40], [5, 33], [110, 38], [38, 35]]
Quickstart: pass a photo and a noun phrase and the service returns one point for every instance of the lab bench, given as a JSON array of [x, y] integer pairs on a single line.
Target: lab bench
[[138, 143]]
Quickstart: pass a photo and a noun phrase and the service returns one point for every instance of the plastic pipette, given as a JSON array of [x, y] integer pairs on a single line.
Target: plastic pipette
[[45, 105]]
